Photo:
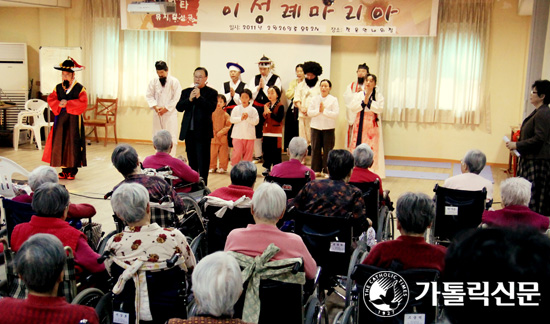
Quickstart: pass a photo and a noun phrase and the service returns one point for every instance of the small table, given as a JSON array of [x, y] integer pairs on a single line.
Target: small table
[[5, 107]]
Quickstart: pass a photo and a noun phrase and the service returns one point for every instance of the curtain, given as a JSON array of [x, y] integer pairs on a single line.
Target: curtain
[[100, 32], [140, 51], [439, 79], [119, 64]]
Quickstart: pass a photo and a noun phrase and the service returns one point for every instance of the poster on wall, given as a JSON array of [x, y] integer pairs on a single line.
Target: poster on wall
[[290, 17]]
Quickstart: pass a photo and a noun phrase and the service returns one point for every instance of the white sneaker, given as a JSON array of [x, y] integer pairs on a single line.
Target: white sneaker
[[212, 171], [220, 171]]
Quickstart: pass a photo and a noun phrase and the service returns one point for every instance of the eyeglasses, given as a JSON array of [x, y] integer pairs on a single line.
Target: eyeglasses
[[533, 92]]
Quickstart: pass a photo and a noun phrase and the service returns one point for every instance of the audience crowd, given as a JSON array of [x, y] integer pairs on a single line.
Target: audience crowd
[[507, 246]]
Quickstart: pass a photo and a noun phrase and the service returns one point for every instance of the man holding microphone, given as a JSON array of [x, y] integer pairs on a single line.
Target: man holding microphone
[[198, 103]]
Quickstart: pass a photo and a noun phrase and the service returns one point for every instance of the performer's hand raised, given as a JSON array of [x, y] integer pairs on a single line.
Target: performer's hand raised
[[244, 116], [232, 92], [321, 108]]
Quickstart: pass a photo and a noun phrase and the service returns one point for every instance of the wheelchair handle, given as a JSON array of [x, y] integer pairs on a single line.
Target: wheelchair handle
[[108, 195], [106, 254], [164, 199], [170, 263], [296, 268]]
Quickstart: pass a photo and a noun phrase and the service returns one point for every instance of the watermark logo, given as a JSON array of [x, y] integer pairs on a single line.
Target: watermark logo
[[386, 294]]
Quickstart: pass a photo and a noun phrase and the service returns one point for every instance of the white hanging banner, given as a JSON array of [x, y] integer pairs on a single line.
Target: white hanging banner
[[291, 17]]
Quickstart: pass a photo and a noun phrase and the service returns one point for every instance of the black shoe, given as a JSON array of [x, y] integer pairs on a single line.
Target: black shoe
[[309, 150]]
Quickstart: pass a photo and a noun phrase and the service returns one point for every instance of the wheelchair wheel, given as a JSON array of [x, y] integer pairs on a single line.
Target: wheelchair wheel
[[314, 311], [338, 318], [104, 309], [388, 233], [103, 243], [198, 246], [192, 308], [190, 221], [88, 297], [357, 257], [349, 316]]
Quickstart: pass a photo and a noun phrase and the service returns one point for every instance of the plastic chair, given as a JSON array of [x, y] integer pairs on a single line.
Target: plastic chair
[[33, 108], [7, 169], [104, 114]]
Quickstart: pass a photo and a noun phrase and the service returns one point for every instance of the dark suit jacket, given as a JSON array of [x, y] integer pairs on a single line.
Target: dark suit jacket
[[534, 141], [201, 109]]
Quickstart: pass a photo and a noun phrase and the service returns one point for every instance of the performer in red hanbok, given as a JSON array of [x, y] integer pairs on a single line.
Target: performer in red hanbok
[[66, 144]]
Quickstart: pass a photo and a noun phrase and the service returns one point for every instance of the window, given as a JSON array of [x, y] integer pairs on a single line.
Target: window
[[438, 79]]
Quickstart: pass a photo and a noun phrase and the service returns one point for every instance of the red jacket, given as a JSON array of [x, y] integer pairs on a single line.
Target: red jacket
[[67, 234]]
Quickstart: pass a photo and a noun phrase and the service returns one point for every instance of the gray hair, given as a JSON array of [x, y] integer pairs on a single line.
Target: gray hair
[[244, 174], [125, 159], [40, 261], [269, 201], [415, 212], [42, 174], [129, 202], [162, 141], [475, 161], [297, 148], [363, 156], [515, 191], [50, 200], [217, 284]]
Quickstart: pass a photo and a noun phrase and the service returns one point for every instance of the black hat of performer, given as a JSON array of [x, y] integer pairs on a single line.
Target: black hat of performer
[[265, 62], [363, 66], [69, 65], [313, 67], [234, 66]]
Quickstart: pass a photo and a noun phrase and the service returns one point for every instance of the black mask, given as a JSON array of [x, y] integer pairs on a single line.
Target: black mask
[[162, 81], [311, 83], [360, 80], [66, 84]]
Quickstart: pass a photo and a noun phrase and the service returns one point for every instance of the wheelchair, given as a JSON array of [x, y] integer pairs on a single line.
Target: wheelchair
[[220, 218], [358, 312], [73, 292], [167, 293], [329, 240], [282, 287], [455, 211], [188, 221], [17, 212], [291, 186], [378, 209]]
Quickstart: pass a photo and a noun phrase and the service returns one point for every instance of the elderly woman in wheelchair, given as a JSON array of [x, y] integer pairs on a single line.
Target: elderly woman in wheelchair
[[268, 207], [141, 250], [162, 141], [51, 204], [47, 174], [39, 263], [415, 214], [217, 286]]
